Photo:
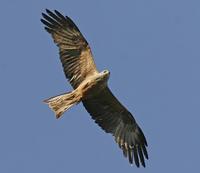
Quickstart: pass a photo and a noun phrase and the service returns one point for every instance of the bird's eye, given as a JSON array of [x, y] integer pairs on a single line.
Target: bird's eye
[[104, 71]]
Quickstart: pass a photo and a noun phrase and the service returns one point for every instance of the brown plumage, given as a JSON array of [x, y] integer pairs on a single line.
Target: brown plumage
[[90, 88]]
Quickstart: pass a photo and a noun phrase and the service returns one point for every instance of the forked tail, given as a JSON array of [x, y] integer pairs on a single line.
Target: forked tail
[[59, 104]]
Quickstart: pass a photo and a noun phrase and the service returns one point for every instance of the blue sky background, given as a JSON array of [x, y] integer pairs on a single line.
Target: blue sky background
[[152, 49]]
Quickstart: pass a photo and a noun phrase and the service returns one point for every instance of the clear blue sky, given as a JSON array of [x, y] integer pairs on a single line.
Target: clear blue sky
[[152, 49]]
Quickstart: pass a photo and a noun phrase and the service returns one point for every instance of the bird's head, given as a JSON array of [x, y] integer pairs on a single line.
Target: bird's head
[[105, 74]]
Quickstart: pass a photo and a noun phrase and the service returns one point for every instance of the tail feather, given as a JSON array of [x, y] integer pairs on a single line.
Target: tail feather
[[61, 103]]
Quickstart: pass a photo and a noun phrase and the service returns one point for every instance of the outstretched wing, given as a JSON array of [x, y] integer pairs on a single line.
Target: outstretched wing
[[75, 53], [114, 118]]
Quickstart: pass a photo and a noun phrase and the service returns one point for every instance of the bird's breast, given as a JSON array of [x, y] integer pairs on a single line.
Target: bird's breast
[[90, 88]]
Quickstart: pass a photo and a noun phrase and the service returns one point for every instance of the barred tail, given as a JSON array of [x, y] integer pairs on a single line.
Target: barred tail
[[59, 104]]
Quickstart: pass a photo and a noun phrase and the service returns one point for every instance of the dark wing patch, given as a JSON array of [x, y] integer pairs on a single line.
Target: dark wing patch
[[114, 118], [75, 53]]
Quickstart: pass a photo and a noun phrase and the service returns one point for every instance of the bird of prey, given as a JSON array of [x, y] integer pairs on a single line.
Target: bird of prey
[[91, 88]]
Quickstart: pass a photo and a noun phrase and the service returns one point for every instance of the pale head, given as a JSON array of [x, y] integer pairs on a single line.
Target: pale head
[[105, 74], [102, 76]]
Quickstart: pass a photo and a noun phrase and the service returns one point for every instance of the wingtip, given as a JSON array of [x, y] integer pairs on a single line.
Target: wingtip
[[47, 29], [47, 10], [43, 21], [144, 165], [59, 14], [43, 15], [137, 164], [56, 11], [145, 142], [144, 151]]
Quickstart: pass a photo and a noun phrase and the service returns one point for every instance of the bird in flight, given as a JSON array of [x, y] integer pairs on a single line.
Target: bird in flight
[[91, 88]]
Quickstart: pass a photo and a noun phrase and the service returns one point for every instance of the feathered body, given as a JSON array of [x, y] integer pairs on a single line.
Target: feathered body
[[90, 88]]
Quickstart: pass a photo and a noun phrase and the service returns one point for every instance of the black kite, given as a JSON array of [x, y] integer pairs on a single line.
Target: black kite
[[90, 88]]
